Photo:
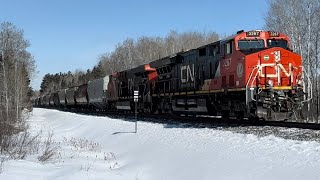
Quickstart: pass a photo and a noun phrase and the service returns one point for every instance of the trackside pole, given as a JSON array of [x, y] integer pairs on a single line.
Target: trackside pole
[[135, 98], [136, 124]]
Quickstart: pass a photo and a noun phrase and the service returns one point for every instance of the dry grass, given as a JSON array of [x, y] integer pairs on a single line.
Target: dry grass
[[83, 144], [50, 149]]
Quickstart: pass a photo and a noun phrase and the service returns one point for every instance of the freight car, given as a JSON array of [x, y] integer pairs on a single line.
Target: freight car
[[251, 74], [62, 97], [81, 96], [70, 98], [97, 93]]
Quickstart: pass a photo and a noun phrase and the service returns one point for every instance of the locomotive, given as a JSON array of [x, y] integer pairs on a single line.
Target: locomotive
[[251, 74]]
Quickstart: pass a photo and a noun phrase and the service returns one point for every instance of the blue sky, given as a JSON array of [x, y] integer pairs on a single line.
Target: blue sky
[[71, 34]]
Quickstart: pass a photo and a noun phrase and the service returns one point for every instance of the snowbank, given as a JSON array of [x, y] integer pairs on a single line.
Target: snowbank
[[104, 148]]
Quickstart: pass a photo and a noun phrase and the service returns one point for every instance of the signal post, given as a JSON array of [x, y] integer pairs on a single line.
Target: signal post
[[135, 98]]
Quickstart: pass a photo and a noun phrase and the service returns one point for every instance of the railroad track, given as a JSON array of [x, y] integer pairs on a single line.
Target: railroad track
[[196, 121]]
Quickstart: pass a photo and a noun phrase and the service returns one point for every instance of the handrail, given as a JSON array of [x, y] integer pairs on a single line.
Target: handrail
[[250, 77], [309, 84]]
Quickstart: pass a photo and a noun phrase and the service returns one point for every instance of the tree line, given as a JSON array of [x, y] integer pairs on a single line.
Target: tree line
[[128, 54]]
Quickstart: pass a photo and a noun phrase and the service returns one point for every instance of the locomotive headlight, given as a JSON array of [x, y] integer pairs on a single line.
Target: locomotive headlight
[[299, 82], [270, 83]]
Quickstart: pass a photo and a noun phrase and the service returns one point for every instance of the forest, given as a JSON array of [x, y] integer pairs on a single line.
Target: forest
[[129, 54]]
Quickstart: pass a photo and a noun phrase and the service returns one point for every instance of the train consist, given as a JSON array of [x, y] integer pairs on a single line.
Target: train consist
[[251, 74]]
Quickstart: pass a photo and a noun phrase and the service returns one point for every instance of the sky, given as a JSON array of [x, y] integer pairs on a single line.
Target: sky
[[66, 35]]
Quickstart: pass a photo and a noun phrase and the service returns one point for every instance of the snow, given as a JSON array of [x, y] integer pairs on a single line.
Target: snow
[[104, 148]]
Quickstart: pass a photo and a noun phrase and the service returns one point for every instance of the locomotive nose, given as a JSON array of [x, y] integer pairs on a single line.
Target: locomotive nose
[[277, 81], [276, 68]]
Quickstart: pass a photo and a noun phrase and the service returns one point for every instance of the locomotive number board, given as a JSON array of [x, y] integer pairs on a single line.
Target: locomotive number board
[[253, 33], [273, 34]]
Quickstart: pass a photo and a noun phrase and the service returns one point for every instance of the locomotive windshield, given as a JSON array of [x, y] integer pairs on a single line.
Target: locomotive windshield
[[277, 43], [250, 44]]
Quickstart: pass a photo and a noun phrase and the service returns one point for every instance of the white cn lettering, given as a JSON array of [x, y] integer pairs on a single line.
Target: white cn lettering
[[189, 74]]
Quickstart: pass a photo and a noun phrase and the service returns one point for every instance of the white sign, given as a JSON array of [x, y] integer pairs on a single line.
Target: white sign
[[135, 96]]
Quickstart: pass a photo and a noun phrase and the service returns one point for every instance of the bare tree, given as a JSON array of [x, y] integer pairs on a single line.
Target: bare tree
[[300, 20], [17, 68], [131, 53]]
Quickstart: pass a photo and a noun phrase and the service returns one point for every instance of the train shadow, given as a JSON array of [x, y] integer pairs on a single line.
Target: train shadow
[[171, 121], [197, 123], [129, 132]]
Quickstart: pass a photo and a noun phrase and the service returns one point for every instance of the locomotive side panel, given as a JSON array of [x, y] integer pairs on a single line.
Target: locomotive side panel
[[187, 72]]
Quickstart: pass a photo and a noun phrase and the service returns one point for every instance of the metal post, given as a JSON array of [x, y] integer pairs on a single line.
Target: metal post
[[136, 98], [136, 124]]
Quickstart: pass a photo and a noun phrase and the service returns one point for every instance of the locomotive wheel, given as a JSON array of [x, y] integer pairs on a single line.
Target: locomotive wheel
[[212, 110], [154, 108], [225, 114], [240, 115], [147, 109]]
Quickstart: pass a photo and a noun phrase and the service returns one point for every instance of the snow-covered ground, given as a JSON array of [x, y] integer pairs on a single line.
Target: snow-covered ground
[[103, 148]]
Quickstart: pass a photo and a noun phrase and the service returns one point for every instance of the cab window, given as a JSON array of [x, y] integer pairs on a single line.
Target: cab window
[[250, 44], [213, 50], [228, 48], [277, 43], [202, 51]]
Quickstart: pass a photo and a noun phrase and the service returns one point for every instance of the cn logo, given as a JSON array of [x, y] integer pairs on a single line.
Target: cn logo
[[187, 73], [227, 62], [240, 70]]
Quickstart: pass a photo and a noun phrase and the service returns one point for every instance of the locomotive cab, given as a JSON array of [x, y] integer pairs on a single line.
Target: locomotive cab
[[274, 76]]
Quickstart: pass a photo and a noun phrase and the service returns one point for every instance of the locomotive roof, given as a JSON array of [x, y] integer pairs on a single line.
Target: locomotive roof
[[138, 69], [161, 62], [172, 59], [228, 38]]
